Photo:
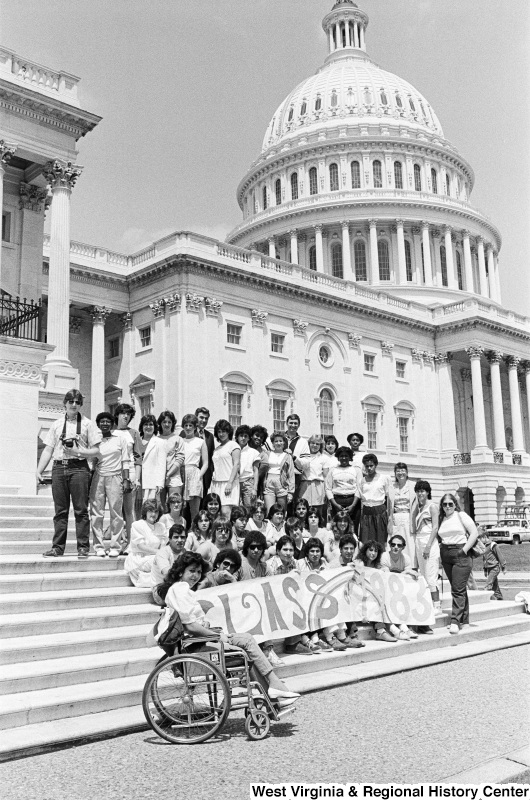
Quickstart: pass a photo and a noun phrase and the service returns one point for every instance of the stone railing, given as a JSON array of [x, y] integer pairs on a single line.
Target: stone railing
[[20, 70]]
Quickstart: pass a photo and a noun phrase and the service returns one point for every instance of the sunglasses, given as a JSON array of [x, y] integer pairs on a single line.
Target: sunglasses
[[255, 547], [229, 565], [448, 505], [396, 544]]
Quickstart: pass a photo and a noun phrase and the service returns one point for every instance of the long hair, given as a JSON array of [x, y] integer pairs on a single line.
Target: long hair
[[177, 570], [221, 525], [228, 554], [195, 524], [371, 544], [148, 418], [342, 516], [441, 512]]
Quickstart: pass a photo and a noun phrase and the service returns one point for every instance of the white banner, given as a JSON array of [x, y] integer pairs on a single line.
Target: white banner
[[284, 605]]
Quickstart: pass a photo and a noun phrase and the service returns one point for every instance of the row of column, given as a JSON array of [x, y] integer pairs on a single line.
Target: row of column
[[354, 35], [488, 280], [513, 363]]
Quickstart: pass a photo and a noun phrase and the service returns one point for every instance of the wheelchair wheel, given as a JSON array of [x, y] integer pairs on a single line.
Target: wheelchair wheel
[[257, 725], [186, 699]]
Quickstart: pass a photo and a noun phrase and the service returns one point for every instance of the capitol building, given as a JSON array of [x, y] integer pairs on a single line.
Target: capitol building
[[360, 289]]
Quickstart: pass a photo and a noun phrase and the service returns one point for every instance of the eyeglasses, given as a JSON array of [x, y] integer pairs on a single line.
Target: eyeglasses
[[255, 547], [448, 505]]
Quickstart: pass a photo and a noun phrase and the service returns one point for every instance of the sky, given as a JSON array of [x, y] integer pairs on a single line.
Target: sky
[[186, 90]]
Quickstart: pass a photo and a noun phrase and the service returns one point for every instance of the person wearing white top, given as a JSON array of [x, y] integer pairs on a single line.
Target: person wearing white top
[[458, 534], [248, 467], [226, 459], [147, 537], [314, 468], [404, 502], [174, 455], [153, 458], [298, 447], [196, 463], [374, 492]]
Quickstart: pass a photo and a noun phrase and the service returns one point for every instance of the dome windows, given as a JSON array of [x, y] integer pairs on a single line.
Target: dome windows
[[264, 198], [384, 98], [355, 175], [278, 191], [459, 273], [359, 254], [417, 177], [412, 106], [303, 108], [443, 264], [334, 99], [399, 101], [336, 261], [447, 185], [313, 181], [408, 260], [318, 103], [398, 174], [333, 178], [294, 186], [291, 114], [434, 181], [313, 258], [378, 175], [367, 94], [384, 260]]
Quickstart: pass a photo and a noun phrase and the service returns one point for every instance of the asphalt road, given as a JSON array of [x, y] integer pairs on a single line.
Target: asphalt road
[[416, 726]]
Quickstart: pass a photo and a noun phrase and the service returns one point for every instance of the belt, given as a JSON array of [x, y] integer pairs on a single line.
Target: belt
[[65, 461], [374, 511], [460, 546]]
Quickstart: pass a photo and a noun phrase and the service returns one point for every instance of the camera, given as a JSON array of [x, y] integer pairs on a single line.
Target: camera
[[69, 442]]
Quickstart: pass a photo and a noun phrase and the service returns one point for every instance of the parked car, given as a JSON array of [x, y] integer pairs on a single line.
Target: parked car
[[510, 531]]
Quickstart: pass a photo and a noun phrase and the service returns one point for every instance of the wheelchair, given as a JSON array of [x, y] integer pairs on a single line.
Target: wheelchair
[[188, 695]]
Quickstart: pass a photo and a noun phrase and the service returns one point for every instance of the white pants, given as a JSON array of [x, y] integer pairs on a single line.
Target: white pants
[[428, 567], [402, 526]]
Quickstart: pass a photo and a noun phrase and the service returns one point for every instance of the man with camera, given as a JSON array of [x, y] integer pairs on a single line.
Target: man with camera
[[71, 440]]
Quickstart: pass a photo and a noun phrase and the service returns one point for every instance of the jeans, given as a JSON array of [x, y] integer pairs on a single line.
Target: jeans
[[457, 568], [492, 584], [71, 482], [107, 487], [255, 655]]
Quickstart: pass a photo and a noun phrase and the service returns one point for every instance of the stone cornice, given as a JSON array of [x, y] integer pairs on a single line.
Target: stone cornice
[[46, 110], [478, 323], [92, 276]]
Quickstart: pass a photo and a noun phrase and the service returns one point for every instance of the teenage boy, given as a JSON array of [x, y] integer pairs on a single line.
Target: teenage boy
[[248, 468]]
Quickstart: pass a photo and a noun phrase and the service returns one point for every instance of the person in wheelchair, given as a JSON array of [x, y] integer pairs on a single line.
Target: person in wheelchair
[[178, 592]]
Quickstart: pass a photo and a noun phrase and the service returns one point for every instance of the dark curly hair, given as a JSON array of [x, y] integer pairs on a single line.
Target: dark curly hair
[[223, 425], [371, 544], [254, 537], [145, 419], [177, 570], [313, 542]]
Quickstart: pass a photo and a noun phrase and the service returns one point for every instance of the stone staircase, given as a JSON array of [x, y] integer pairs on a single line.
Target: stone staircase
[[73, 659]]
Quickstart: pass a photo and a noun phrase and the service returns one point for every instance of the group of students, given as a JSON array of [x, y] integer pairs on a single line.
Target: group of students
[[312, 491]]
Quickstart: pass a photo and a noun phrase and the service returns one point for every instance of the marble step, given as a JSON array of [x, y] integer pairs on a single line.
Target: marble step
[[24, 500], [41, 523], [63, 600], [35, 548], [56, 582], [44, 705], [29, 510], [36, 564], [77, 619], [40, 647]]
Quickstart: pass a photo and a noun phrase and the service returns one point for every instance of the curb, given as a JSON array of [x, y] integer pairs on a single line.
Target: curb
[[504, 768]]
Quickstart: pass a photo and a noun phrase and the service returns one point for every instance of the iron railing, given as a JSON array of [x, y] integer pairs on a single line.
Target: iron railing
[[20, 319]]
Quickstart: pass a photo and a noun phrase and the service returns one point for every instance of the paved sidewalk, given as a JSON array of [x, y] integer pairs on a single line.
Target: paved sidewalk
[[506, 768]]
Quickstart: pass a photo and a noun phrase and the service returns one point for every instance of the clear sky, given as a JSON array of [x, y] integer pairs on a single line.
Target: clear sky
[[186, 89]]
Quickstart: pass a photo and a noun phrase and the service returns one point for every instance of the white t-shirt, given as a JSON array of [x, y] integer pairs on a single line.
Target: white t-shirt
[[180, 598], [222, 460], [452, 530], [373, 493], [249, 457], [192, 451], [275, 462]]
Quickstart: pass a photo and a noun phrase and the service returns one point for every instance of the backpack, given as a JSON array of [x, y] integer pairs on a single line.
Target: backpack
[[167, 632]]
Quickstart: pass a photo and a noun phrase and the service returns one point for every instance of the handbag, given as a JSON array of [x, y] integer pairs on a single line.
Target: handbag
[[167, 631], [479, 548]]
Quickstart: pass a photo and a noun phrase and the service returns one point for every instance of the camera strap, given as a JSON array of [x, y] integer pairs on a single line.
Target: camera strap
[[78, 431]]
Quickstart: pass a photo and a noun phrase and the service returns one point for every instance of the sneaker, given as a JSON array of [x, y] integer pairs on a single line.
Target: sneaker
[[273, 659], [425, 629], [325, 646], [404, 635], [100, 552], [384, 636], [412, 634], [336, 644], [314, 647], [352, 641], [114, 552], [438, 611], [298, 650], [53, 553], [454, 627], [82, 553]]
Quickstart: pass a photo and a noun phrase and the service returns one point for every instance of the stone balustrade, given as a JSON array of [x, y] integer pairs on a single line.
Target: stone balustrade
[[20, 70]]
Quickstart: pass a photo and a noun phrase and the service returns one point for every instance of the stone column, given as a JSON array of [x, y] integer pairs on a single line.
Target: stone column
[[468, 267], [97, 383], [426, 253], [374, 256], [526, 367], [402, 265], [515, 405], [294, 246], [479, 418], [361, 36], [272, 248], [491, 274], [346, 252], [497, 278], [418, 275], [446, 404], [6, 153], [499, 434], [128, 346], [330, 36], [61, 175], [319, 245], [356, 38], [452, 281], [482, 267]]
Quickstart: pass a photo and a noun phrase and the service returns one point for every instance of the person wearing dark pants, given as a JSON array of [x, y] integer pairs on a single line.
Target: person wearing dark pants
[[457, 533], [71, 440]]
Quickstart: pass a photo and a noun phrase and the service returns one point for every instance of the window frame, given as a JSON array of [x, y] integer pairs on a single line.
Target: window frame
[[234, 344], [383, 258], [294, 185], [401, 367], [371, 430], [312, 257], [364, 266], [112, 341], [146, 341], [333, 171], [337, 263], [367, 363], [325, 409], [408, 261], [417, 178], [235, 419], [377, 174], [404, 434], [355, 166], [281, 352], [278, 191], [282, 401], [398, 175], [313, 181], [443, 265]]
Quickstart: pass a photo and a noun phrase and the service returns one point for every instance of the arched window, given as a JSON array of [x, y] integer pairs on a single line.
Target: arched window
[[384, 260], [336, 261], [384, 98], [398, 174], [399, 101], [459, 271], [434, 181], [318, 103], [355, 175], [378, 175], [294, 186], [334, 99], [359, 254], [313, 257], [313, 181], [326, 413], [417, 177], [408, 260], [333, 178], [367, 94], [303, 109], [443, 264], [264, 195], [291, 114], [447, 185], [278, 191], [411, 104]]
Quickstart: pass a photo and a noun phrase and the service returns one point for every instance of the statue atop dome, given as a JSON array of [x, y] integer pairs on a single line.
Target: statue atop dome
[[344, 3]]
